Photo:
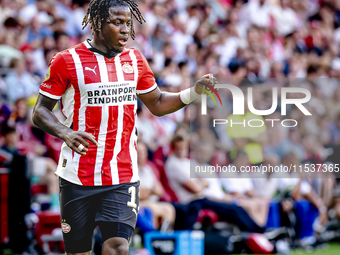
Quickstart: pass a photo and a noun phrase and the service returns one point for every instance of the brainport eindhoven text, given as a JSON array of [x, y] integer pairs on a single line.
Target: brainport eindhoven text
[[107, 96]]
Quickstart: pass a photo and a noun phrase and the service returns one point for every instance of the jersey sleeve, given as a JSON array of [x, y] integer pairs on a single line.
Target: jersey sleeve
[[146, 81], [56, 79]]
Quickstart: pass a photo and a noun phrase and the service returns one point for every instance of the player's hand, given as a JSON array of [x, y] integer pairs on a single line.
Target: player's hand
[[75, 138], [205, 83]]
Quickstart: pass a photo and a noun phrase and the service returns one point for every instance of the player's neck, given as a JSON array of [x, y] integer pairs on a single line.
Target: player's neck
[[99, 45]]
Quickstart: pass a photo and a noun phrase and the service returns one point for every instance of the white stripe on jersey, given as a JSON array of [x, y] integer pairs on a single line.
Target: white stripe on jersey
[[141, 92], [120, 75], [118, 145], [49, 95], [133, 137], [103, 124], [83, 99], [68, 101]]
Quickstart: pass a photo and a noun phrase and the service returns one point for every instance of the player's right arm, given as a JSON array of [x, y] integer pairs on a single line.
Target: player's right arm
[[56, 82], [47, 121]]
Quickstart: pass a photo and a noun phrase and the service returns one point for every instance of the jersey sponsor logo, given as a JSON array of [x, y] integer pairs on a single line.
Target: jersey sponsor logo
[[45, 85], [65, 227], [48, 73], [127, 68], [111, 94], [90, 69]]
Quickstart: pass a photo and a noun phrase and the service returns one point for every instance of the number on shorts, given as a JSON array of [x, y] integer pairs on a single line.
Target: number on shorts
[[132, 203]]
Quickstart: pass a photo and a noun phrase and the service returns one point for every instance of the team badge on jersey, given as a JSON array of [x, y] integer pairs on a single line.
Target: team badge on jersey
[[65, 227], [127, 68]]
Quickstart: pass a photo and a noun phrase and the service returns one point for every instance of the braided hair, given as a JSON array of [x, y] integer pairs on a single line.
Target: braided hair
[[98, 12]]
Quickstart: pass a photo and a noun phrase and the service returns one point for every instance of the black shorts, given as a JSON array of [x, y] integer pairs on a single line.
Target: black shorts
[[113, 208]]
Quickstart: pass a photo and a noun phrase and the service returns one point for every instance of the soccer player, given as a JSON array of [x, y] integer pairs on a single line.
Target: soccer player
[[98, 82]]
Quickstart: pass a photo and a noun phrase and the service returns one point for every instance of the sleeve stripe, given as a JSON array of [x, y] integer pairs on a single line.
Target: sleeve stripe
[[49, 95], [145, 91]]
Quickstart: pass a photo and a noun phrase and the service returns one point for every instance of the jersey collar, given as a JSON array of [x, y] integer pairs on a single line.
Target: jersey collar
[[107, 55]]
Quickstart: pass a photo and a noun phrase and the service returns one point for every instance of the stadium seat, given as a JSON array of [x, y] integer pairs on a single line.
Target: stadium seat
[[38, 189], [4, 178], [53, 147], [48, 233]]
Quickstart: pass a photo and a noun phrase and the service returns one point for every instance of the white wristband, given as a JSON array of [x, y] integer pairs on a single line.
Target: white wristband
[[188, 95]]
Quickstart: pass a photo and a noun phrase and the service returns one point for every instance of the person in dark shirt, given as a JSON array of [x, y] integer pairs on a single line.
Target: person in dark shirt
[[4, 114], [10, 139]]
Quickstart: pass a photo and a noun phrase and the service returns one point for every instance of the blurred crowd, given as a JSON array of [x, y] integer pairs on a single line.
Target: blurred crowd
[[256, 43]]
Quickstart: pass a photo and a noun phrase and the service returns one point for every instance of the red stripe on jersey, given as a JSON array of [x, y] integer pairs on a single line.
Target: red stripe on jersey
[[140, 63], [87, 162], [76, 108], [124, 157], [111, 70], [90, 65], [109, 145], [127, 67]]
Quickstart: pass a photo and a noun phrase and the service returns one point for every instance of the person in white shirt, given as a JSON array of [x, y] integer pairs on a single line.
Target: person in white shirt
[[256, 13], [177, 169], [286, 20], [265, 185], [200, 158], [38, 9], [19, 82], [190, 192], [241, 189]]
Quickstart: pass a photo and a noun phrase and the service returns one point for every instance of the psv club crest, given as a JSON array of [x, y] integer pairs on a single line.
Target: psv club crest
[[127, 68], [65, 227]]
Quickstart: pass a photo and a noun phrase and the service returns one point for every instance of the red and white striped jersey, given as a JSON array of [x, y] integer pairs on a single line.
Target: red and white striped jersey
[[98, 96]]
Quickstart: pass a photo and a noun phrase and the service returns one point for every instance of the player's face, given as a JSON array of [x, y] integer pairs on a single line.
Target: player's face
[[116, 29]]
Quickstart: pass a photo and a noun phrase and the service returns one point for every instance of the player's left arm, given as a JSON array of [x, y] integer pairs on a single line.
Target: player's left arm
[[160, 103]]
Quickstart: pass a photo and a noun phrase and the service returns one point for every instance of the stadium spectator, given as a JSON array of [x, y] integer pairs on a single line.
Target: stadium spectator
[[28, 142], [285, 18], [19, 82], [4, 114], [37, 9], [242, 191], [190, 192], [295, 187], [151, 191], [10, 140]]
